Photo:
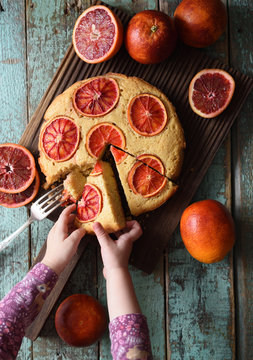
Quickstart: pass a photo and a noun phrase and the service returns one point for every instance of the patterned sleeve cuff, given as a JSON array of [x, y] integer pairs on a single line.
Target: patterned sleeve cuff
[[130, 337], [43, 275]]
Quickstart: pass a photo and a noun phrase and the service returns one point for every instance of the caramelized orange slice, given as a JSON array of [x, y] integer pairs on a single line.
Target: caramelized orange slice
[[147, 115], [90, 205], [60, 138]]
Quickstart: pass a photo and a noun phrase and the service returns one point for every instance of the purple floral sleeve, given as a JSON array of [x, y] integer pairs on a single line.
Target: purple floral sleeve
[[20, 307], [130, 338]]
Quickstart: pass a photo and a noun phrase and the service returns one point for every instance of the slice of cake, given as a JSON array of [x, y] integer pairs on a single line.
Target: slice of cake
[[100, 201]]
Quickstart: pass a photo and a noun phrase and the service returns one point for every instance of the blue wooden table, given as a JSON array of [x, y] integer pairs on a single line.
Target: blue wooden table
[[195, 311]]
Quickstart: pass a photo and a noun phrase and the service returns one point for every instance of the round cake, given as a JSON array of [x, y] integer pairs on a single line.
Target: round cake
[[131, 117]]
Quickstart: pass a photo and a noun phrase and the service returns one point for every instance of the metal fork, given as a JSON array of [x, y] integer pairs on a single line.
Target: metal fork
[[40, 209]]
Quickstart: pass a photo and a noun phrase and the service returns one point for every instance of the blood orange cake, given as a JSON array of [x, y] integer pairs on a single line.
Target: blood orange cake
[[134, 118]]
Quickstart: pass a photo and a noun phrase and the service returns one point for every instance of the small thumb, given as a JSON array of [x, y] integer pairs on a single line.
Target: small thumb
[[76, 236], [102, 236]]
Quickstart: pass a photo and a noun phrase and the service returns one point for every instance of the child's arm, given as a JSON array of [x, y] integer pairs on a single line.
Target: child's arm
[[22, 304], [128, 327]]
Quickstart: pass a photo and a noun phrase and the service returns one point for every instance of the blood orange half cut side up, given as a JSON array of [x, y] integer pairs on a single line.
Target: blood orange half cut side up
[[97, 35], [60, 138], [210, 92], [17, 168], [147, 114], [105, 134], [146, 181], [96, 97], [90, 205], [22, 198]]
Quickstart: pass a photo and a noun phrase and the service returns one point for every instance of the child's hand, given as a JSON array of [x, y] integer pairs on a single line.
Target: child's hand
[[63, 240], [115, 254]]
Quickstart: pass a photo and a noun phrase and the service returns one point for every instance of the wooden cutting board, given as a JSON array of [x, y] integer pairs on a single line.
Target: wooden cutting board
[[203, 139]]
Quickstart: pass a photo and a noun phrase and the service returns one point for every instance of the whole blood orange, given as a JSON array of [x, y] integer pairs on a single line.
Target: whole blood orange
[[90, 205], [105, 134], [207, 230], [22, 198], [200, 23], [97, 35], [150, 37], [210, 92], [96, 97], [146, 176], [17, 168], [147, 114], [59, 138], [80, 320]]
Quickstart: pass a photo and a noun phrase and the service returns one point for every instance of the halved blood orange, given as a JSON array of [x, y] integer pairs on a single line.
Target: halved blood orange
[[59, 138], [97, 35], [97, 170], [17, 168], [210, 92], [103, 134], [145, 180], [90, 205], [22, 198], [147, 114], [96, 97]]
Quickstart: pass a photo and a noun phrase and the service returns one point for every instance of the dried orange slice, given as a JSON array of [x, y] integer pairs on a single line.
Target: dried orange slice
[[146, 176], [90, 205], [60, 138], [97, 170], [97, 35], [22, 198], [96, 97], [17, 168], [147, 114], [102, 135], [210, 92]]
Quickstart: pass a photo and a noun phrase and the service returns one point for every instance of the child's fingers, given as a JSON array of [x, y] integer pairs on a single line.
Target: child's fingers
[[102, 236], [134, 231], [64, 217], [76, 236]]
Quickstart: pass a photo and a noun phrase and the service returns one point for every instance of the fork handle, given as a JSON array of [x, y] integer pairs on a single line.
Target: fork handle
[[9, 239]]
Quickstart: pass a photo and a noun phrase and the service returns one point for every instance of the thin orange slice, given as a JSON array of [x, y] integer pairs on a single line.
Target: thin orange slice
[[102, 135], [90, 205], [20, 199], [60, 138], [147, 114], [145, 180], [210, 92], [17, 168], [97, 170], [97, 35], [96, 97]]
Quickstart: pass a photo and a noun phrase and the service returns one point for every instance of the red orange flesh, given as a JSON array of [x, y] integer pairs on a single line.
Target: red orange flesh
[[97, 35], [23, 198], [145, 180], [90, 205], [147, 115], [59, 138], [210, 92], [102, 135], [96, 97], [17, 168]]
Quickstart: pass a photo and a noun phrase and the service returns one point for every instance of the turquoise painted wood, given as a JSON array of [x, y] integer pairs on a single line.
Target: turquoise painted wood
[[194, 311]]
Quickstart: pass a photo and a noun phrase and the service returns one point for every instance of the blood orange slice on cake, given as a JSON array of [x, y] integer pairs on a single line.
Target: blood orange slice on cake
[[97, 170], [105, 134], [97, 35], [59, 138], [210, 92], [147, 115], [146, 176], [17, 168], [90, 205], [96, 97], [22, 198]]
